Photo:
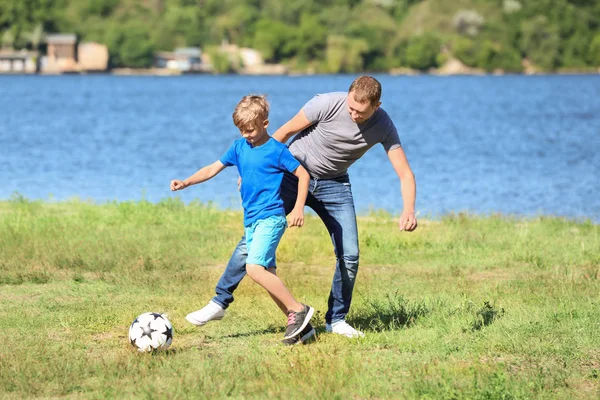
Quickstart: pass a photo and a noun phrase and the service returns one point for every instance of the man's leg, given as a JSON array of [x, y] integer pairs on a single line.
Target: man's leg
[[231, 278], [332, 200]]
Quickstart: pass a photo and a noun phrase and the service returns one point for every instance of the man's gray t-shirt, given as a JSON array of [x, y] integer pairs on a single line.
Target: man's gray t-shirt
[[334, 142]]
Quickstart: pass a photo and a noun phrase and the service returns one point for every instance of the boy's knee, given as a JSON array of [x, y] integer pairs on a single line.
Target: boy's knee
[[254, 270]]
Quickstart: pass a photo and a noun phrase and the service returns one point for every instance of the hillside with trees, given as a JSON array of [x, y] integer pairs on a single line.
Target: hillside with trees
[[326, 35]]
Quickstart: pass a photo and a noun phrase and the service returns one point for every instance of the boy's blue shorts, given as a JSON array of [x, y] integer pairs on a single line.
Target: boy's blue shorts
[[262, 238]]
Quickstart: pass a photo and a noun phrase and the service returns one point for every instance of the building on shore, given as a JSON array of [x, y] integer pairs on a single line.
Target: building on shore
[[66, 55], [61, 54], [182, 60], [18, 61], [249, 61], [92, 57]]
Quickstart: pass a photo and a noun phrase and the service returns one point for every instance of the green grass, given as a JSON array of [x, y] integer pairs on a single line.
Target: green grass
[[465, 307]]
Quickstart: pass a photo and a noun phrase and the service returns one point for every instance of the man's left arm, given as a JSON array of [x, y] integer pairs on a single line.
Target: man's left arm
[[408, 220]]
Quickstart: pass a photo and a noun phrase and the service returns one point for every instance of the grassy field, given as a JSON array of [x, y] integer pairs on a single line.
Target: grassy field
[[465, 307]]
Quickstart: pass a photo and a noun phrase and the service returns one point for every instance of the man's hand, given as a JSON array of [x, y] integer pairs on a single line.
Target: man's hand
[[239, 183], [177, 185], [408, 221], [296, 218]]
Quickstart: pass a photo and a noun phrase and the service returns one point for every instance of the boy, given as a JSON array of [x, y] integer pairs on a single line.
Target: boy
[[261, 162]]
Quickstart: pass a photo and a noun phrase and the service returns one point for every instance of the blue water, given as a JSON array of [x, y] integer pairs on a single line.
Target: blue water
[[513, 144]]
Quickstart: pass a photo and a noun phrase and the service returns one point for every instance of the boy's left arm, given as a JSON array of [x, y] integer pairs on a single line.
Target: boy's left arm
[[296, 217], [408, 220]]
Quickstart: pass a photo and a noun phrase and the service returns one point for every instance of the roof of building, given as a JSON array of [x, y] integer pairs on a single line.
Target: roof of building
[[189, 51], [61, 38], [17, 54]]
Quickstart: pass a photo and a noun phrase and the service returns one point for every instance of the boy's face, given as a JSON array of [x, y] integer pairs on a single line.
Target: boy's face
[[255, 134], [360, 112]]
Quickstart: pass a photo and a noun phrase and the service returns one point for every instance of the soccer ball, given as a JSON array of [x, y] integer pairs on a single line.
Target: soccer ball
[[151, 331]]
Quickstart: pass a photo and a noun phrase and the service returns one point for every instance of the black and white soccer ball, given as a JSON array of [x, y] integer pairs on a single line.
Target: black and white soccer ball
[[151, 331]]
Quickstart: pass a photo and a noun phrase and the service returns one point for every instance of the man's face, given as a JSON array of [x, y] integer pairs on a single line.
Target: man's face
[[360, 112]]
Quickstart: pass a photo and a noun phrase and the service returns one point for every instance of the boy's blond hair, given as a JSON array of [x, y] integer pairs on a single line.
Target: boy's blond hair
[[366, 88], [251, 111]]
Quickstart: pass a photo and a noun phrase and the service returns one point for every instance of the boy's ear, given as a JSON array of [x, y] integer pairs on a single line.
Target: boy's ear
[[266, 123]]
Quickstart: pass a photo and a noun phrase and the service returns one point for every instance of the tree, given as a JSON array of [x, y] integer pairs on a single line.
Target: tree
[[130, 45], [540, 41], [376, 27], [421, 51], [594, 51], [491, 56], [7, 39], [344, 54], [220, 61], [310, 38], [272, 38], [466, 51]]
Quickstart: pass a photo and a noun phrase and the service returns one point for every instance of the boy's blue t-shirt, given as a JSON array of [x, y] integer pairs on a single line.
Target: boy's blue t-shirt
[[261, 169]]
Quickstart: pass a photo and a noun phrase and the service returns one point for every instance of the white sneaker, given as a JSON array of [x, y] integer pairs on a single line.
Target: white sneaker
[[210, 312], [342, 328]]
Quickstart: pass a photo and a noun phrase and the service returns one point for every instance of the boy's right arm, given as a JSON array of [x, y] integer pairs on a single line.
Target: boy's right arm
[[200, 176]]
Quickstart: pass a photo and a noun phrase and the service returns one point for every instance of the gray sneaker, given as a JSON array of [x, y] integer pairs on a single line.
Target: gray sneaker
[[297, 321], [307, 334]]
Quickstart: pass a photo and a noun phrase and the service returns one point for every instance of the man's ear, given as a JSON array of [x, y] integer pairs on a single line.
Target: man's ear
[[377, 105], [266, 123]]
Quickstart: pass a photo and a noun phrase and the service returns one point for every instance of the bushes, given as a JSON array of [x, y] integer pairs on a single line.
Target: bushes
[[335, 36]]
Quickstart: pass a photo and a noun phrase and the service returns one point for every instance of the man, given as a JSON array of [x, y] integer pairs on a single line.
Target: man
[[332, 130]]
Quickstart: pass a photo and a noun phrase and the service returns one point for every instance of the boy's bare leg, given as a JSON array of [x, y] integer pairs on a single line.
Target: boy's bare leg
[[279, 304], [272, 284]]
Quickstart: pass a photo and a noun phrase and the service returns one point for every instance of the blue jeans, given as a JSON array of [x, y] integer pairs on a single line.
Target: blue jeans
[[332, 200]]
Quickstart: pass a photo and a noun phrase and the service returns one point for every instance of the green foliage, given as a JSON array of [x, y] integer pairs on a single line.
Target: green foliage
[[130, 45], [488, 34], [310, 38], [375, 26], [594, 51], [221, 62], [486, 315], [273, 39], [466, 51], [492, 56], [344, 54], [421, 51], [540, 42]]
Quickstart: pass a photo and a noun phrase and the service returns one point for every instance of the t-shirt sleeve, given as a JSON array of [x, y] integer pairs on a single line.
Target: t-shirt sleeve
[[287, 161], [230, 157], [391, 140], [319, 107]]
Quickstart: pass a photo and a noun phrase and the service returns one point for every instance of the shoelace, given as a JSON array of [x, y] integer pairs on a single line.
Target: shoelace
[[291, 318]]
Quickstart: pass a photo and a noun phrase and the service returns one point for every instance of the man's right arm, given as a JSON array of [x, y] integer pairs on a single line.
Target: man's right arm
[[292, 127]]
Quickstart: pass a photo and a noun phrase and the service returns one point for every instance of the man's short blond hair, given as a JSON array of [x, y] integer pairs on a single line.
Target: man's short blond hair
[[366, 89], [251, 111]]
